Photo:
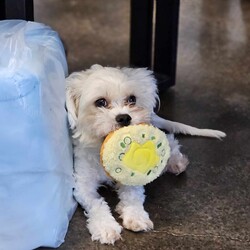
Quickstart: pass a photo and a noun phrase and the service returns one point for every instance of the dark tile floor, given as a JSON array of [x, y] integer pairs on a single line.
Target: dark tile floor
[[208, 207]]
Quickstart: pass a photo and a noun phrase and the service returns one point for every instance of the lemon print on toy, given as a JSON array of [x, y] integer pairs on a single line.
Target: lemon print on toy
[[141, 158]]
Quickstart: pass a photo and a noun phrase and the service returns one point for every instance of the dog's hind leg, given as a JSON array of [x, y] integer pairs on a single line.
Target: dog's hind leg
[[177, 162], [131, 208], [176, 127]]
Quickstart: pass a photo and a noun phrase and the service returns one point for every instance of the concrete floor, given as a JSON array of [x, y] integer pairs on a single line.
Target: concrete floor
[[208, 207]]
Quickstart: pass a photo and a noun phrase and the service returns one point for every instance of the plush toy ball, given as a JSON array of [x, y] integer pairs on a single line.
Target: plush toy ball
[[136, 154]]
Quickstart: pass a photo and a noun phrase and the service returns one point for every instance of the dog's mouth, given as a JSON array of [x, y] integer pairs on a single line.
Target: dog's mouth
[[124, 120], [115, 127]]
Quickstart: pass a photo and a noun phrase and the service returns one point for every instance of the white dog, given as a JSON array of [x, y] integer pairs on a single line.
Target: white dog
[[100, 100]]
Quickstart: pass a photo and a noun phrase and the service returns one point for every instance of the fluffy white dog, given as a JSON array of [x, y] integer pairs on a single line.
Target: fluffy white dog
[[100, 100]]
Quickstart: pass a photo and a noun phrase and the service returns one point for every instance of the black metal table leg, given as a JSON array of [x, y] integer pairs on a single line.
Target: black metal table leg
[[17, 9], [166, 39], [153, 43], [141, 33]]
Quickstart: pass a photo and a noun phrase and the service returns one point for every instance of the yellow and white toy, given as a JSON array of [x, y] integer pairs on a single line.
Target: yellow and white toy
[[136, 154]]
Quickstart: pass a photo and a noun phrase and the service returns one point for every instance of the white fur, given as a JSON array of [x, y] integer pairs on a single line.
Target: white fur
[[176, 127], [90, 124]]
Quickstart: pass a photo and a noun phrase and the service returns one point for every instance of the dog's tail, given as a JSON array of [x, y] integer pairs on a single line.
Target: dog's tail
[[176, 127]]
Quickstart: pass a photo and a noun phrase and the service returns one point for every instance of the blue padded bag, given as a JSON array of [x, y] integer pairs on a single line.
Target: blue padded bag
[[36, 201]]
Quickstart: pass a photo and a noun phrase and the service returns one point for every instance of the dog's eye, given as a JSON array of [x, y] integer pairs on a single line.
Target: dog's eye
[[102, 102], [131, 100]]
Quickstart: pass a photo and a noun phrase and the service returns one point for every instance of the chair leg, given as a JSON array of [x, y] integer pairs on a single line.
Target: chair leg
[[17, 9], [166, 39], [141, 33], [152, 46]]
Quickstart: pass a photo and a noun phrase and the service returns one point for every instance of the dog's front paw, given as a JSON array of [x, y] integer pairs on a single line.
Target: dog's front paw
[[106, 231], [136, 220]]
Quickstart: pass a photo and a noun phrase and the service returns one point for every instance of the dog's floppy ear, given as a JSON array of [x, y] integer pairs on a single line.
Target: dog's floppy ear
[[74, 86], [71, 105]]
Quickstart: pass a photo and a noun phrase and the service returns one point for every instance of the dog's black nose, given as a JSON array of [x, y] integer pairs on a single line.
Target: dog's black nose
[[123, 119]]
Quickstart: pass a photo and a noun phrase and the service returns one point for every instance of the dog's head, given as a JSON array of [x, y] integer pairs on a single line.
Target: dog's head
[[102, 99]]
